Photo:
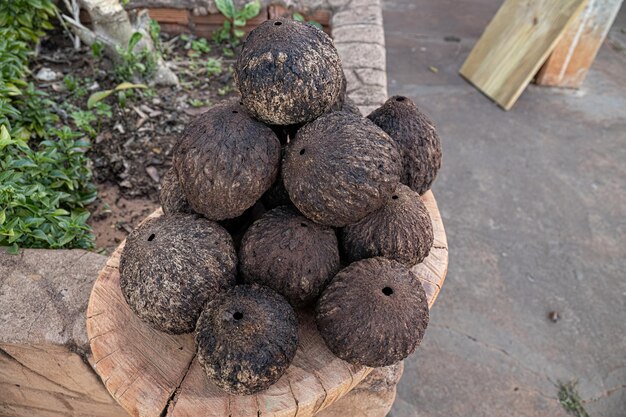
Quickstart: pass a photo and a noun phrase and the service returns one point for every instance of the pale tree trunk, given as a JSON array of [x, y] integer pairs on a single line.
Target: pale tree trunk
[[112, 27]]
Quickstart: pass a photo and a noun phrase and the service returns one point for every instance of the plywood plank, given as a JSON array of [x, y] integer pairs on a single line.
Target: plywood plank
[[574, 54], [515, 44]]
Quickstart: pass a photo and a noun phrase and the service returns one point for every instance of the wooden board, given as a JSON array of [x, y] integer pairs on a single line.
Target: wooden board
[[515, 44], [574, 54], [151, 373]]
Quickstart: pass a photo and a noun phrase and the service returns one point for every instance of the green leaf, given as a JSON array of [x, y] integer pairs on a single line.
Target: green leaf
[[298, 17], [239, 21], [97, 97], [239, 33], [39, 234], [3, 217], [24, 21], [13, 249], [226, 7], [5, 138], [251, 10], [24, 163], [316, 24], [134, 40], [128, 86]]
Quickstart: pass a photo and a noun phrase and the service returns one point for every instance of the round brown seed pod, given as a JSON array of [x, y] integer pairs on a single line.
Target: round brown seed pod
[[171, 196], [290, 254], [225, 161], [400, 230], [288, 72], [373, 313], [340, 168], [171, 265], [341, 98], [417, 140], [246, 337]]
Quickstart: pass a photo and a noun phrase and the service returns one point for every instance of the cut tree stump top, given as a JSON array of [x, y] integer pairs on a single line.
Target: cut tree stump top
[[154, 374]]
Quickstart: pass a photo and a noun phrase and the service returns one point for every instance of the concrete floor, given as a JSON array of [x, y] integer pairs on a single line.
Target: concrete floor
[[534, 203]]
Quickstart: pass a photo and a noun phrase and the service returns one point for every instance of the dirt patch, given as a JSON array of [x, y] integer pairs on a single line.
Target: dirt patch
[[114, 216], [133, 136]]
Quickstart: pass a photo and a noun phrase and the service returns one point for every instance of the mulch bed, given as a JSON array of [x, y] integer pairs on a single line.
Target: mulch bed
[[132, 149]]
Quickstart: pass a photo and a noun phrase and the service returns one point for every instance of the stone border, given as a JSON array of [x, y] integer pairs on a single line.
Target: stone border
[[358, 33], [357, 27], [45, 362]]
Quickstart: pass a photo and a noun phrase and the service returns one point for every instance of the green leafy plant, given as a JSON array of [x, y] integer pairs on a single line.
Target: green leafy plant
[[35, 117], [224, 90], [135, 64], [194, 102], [83, 120], [122, 97], [74, 86], [28, 19], [102, 110], [570, 399], [70, 82], [45, 179], [213, 66], [154, 29], [297, 16], [14, 55], [236, 18], [43, 192], [22, 106], [198, 47], [97, 49]]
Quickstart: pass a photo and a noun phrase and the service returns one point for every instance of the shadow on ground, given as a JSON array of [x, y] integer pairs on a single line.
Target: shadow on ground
[[534, 203]]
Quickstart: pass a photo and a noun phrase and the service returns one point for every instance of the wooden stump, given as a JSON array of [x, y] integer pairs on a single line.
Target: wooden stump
[[153, 374]]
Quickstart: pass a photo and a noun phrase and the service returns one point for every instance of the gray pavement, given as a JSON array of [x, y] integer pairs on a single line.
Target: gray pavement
[[534, 203]]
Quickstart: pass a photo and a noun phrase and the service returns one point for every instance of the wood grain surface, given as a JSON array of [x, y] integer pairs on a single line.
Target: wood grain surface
[[575, 52], [151, 374], [515, 44]]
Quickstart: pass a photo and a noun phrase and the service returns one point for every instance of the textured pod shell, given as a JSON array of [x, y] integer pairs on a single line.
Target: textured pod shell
[[288, 72], [340, 168], [341, 98], [373, 313], [290, 254], [225, 161], [246, 339], [171, 265], [400, 230], [349, 106], [417, 140], [171, 196]]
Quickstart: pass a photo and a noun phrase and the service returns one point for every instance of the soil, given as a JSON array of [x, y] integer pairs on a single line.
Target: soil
[[132, 149]]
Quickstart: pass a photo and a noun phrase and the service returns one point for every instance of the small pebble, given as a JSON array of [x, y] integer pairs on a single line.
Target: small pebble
[[154, 174], [554, 316], [46, 74]]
